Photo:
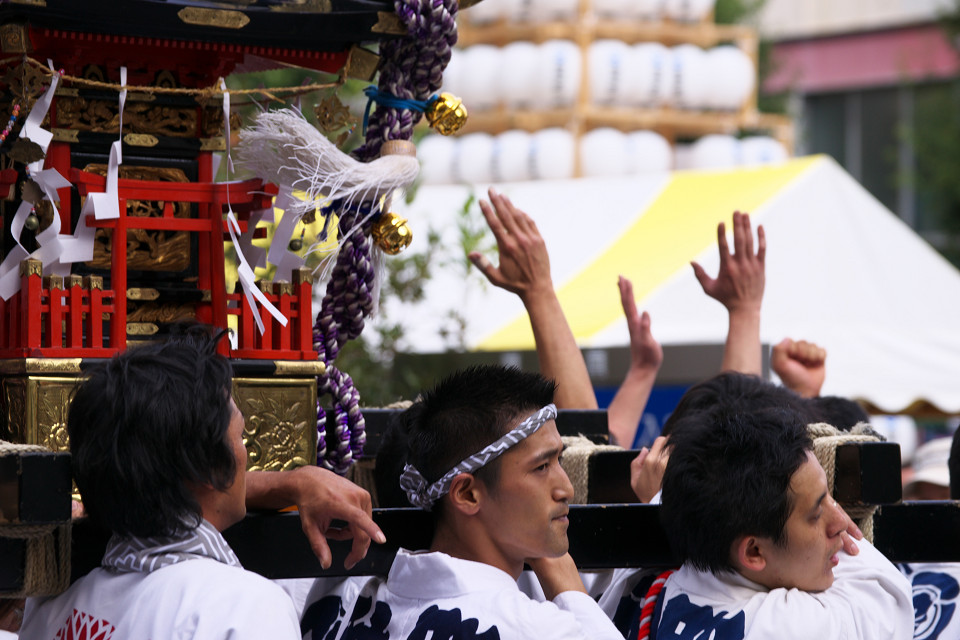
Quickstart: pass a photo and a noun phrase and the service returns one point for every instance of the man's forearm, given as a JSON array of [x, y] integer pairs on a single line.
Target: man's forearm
[[557, 351], [742, 352]]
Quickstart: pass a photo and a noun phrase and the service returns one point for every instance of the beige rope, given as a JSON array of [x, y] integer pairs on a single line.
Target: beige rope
[[826, 439], [576, 462], [206, 93], [47, 562]]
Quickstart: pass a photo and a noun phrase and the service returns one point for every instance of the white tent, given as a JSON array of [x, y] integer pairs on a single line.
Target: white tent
[[842, 271]]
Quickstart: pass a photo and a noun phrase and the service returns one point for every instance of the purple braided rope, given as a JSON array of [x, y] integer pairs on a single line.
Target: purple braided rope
[[346, 303], [411, 68]]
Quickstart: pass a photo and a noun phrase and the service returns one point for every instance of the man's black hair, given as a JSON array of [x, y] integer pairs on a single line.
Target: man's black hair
[[841, 413], [728, 476], [469, 410], [392, 456], [731, 386], [146, 425], [953, 464]]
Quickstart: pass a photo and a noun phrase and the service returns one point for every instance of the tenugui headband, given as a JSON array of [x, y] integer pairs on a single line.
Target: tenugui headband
[[423, 495]]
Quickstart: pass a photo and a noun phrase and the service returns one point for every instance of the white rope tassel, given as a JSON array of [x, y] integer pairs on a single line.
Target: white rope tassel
[[284, 148]]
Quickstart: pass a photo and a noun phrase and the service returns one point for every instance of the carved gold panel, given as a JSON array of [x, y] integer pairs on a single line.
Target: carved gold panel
[[147, 249], [139, 117], [36, 409], [281, 421]]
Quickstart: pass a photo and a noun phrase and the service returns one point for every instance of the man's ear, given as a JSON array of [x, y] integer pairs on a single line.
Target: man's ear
[[748, 554], [465, 494]]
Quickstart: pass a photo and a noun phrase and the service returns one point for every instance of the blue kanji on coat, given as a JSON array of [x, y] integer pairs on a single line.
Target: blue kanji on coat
[[437, 624], [683, 620], [934, 603], [368, 620]]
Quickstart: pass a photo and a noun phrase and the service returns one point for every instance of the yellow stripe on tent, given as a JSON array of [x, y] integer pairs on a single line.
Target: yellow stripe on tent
[[677, 227]]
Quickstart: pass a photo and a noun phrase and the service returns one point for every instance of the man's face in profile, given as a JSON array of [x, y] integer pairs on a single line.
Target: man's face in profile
[[525, 514], [812, 531]]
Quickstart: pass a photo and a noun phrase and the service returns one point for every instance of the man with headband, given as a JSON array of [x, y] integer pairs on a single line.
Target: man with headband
[[484, 458]]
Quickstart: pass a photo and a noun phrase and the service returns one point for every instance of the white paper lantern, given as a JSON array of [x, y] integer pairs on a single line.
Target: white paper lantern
[[652, 75], [609, 62], [435, 153], [687, 10], [715, 152], [552, 10], [520, 10], [519, 69], [603, 152], [760, 150], [647, 152], [612, 9], [511, 157], [682, 156], [453, 74], [473, 159], [558, 73], [479, 78], [731, 78], [691, 80], [486, 12], [551, 154], [647, 9]]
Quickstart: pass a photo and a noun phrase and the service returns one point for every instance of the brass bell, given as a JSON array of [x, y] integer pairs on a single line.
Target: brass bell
[[32, 223], [296, 244], [446, 114], [391, 233]]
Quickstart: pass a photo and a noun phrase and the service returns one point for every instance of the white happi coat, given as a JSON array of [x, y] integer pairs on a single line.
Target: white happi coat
[[869, 600], [160, 592], [936, 594], [430, 595]]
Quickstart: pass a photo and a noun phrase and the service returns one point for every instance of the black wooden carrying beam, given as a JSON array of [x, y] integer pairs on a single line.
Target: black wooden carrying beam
[[34, 490]]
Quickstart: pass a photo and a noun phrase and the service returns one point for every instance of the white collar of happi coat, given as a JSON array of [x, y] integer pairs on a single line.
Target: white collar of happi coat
[[448, 576], [145, 555], [728, 588]]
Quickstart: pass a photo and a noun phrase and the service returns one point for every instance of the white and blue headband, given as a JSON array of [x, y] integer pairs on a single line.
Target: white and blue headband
[[423, 495]]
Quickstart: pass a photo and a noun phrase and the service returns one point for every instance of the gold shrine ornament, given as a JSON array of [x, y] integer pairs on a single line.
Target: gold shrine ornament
[[446, 114], [391, 233]]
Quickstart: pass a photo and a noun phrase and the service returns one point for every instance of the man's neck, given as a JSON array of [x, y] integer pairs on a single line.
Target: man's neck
[[459, 540]]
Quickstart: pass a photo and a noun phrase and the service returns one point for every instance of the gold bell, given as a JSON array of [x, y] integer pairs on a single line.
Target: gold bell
[[446, 114], [391, 233]]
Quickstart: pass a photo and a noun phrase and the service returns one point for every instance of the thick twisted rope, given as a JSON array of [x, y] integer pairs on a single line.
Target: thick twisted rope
[[826, 439], [346, 303], [46, 568], [411, 68]]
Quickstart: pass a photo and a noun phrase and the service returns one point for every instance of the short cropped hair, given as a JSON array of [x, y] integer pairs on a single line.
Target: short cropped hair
[[145, 425], [728, 476], [392, 456], [841, 413], [731, 386], [469, 410], [953, 464]]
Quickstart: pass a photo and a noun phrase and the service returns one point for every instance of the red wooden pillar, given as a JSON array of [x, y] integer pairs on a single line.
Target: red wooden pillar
[[281, 338], [75, 312], [31, 274], [94, 318], [118, 280], [303, 289], [53, 324]]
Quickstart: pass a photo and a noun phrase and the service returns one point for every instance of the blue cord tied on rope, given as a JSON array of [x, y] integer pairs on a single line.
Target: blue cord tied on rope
[[445, 112]]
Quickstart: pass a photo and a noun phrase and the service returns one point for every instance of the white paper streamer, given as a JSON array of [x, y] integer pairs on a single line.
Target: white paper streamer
[[248, 281]]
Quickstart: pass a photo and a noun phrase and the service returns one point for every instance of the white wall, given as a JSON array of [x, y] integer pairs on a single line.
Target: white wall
[[803, 18]]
